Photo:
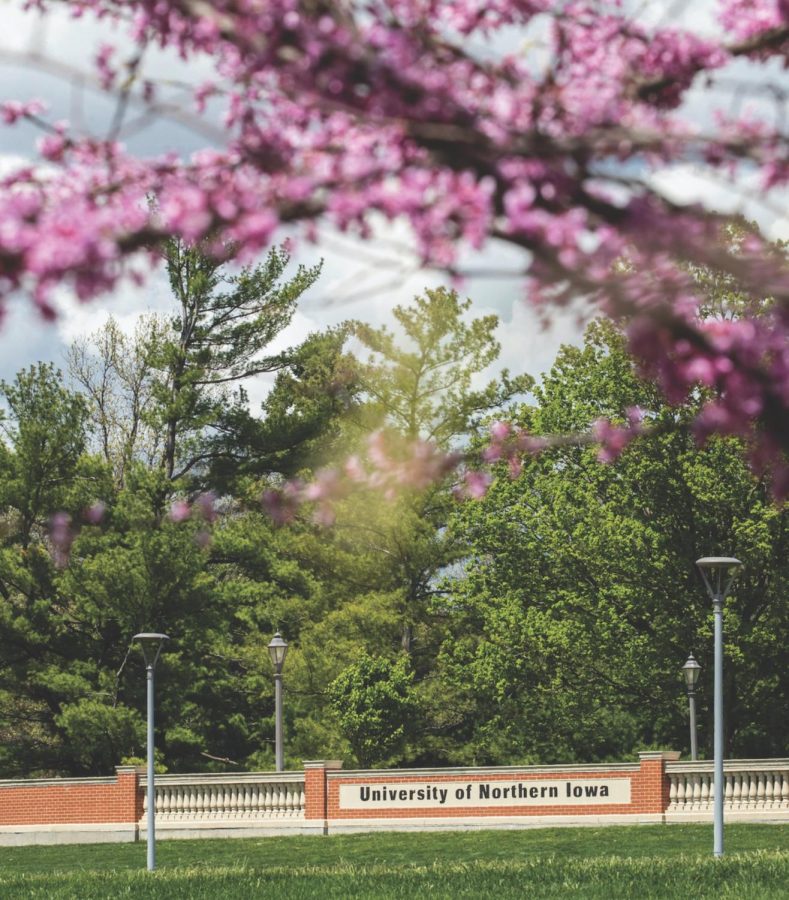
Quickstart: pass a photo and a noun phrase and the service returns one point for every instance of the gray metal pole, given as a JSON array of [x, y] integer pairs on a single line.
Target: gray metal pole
[[717, 844], [151, 791], [694, 744], [278, 749]]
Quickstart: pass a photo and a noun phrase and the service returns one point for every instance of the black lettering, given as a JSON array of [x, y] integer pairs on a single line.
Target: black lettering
[[553, 791], [578, 791], [591, 790], [364, 794], [604, 790], [484, 791], [377, 796], [533, 792]]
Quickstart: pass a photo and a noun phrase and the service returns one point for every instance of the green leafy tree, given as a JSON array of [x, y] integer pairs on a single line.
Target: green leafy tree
[[115, 376], [381, 563], [374, 703], [299, 425], [419, 383], [42, 456], [217, 339], [580, 599]]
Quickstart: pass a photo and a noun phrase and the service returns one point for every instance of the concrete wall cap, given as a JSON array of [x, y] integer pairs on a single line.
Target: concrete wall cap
[[322, 763], [591, 769], [659, 754]]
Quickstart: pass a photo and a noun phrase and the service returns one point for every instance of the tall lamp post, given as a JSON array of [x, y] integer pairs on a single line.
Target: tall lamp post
[[718, 573], [151, 644], [277, 649], [691, 671]]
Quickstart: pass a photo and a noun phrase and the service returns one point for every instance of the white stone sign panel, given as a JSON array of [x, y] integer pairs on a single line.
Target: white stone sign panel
[[454, 794]]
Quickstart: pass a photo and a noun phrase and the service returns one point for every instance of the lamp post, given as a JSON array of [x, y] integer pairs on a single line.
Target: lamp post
[[691, 671], [718, 573], [277, 649], [151, 644]]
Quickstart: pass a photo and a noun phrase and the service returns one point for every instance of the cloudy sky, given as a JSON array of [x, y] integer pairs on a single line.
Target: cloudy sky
[[52, 61]]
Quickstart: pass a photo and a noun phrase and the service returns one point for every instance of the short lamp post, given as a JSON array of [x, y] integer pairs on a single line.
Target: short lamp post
[[718, 573], [151, 648], [277, 649], [691, 671]]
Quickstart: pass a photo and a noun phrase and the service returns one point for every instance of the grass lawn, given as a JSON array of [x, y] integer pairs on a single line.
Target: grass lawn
[[606, 863]]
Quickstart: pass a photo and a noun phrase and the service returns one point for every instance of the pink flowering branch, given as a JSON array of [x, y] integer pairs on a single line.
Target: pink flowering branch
[[341, 116]]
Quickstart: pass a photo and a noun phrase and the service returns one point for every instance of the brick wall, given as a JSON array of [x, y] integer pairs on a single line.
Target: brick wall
[[647, 780], [72, 800], [633, 789]]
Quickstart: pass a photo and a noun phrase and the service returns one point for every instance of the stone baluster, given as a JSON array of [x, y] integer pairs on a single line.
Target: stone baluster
[[259, 806], [768, 790], [695, 791], [672, 792], [681, 784], [234, 810], [760, 790], [753, 788], [168, 805], [704, 792], [736, 790], [292, 811]]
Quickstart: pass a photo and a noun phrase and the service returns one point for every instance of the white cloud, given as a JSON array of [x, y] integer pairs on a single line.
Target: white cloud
[[741, 194]]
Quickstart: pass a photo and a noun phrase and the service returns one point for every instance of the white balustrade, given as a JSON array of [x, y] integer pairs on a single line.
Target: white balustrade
[[750, 786], [252, 798]]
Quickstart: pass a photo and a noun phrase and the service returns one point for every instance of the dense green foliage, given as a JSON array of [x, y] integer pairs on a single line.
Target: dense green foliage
[[580, 601], [619, 862], [546, 622]]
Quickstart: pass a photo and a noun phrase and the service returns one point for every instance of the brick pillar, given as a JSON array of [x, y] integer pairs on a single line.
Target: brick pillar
[[128, 793], [651, 786], [316, 789]]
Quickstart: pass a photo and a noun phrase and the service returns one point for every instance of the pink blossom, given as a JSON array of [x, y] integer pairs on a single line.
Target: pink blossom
[[476, 484], [612, 438], [61, 536], [180, 511], [94, 514], [388, 111], [205, 505], [106, 72]]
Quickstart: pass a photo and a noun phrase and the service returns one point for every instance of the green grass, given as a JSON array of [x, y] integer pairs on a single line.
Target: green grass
[[605, 863]]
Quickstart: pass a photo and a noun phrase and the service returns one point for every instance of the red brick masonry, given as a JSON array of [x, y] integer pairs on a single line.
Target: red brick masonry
[[648, 790], [66, 801], [119, 799]]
